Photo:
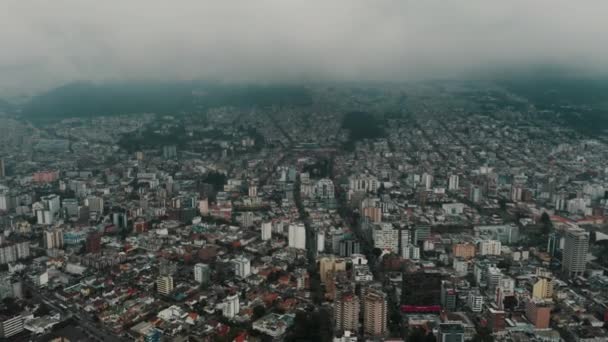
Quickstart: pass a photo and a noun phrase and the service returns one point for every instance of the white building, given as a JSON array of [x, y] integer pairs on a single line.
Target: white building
[[410, 252], [453, 208], [461, 267], [231, 306], [574, 258], [386, 237], [490, 247], [266, 231], [505, 288], [242, 267], [576, 206], [324, 189], [297, 236], [363, 183], [475, 301], [453, 183], [320, 242], [427, 181]]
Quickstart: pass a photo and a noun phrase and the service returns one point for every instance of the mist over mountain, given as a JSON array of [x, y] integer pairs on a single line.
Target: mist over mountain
[[47, 44]]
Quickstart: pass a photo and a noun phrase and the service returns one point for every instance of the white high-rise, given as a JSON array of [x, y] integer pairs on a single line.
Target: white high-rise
[[453, 182], [490, 247], [242, 267], [266, 231], [574, 259], [297, 236], [386, 237], [231, 306]]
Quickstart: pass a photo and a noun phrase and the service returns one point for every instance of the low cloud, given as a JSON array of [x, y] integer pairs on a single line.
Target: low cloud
[[46, 43]]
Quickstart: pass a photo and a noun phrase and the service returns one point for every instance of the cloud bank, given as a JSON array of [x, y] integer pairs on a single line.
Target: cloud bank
[[45, 43]]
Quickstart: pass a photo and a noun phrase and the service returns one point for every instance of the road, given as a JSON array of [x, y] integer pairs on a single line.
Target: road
[[97, 333]]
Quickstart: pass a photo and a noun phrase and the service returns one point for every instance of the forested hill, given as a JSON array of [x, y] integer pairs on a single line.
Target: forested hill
[[85, 99]]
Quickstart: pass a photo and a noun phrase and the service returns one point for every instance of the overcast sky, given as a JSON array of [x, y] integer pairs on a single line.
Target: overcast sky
[[45, 43]]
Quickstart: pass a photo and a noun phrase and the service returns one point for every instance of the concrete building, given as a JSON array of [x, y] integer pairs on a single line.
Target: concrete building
[[490, 247], [242, 267], [202, 273], [574, 258], [453, 183], [266, 231], [464, 250], [451, 332], [11, 326], [375, 313], [346, 312], [231, 306], [475, 300], [543, 288], [297, 236], [330, 264], [164, 284], [539, 313], [386, 237]]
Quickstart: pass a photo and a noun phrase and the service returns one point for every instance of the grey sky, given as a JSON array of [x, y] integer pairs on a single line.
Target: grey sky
[[44, 43]]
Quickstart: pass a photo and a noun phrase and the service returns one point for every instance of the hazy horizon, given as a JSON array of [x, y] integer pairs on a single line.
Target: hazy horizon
[[46, 44]]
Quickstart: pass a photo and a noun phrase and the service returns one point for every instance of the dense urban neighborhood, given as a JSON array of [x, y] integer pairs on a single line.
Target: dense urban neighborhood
[[443, 212]]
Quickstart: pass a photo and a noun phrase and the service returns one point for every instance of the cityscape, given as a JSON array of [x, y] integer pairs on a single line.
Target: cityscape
[[303, 171], [470, 221]]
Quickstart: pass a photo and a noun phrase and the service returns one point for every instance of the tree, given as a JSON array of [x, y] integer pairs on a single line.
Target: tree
[[547, 225], [258, 311]]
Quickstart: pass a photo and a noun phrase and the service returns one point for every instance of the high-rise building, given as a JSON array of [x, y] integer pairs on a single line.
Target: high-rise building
[[2, 168], [574, 259], [475, 300], [169, 151], [386, 237], [539, 313], [448, 296], [297, 236], [349, 247], [164, 284], [496, 320], [247, 219], [543, 288], [253, 190], [374, 313], [231, 306], [451, 332], [330, 264], [14, 251], [505, 288], [410, 252], [475, 195], [53, 238], [93, 242], [320, 241], [421, 232], [202, 273], [95, 204], [266, 231], [346, 312], [242, 267], [203, 207], [453, 183], [553, 243], [490, 247], [11, 326], [464, 250]]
